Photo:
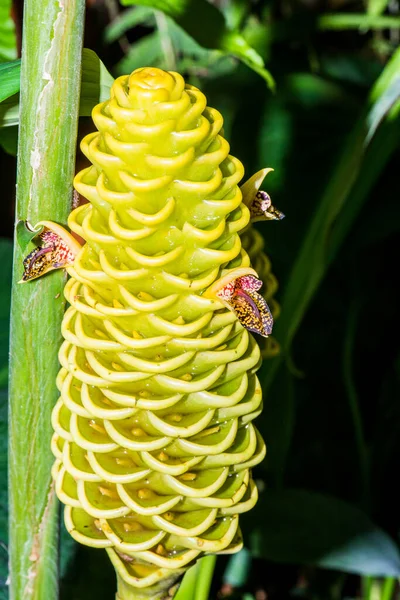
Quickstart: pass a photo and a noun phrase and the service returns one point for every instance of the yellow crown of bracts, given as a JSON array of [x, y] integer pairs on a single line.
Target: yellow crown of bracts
[[154, 439]]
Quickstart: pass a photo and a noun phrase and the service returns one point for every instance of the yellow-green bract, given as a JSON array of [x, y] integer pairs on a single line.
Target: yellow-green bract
[[154, 437]]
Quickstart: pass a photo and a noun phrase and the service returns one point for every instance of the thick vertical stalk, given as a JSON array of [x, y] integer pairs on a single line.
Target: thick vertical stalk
[[50, 85]]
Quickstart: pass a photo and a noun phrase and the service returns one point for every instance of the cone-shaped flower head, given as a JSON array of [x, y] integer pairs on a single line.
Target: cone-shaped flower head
[[154, 436]]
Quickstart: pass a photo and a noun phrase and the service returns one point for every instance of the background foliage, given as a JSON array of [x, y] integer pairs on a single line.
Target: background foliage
[[327, 522]]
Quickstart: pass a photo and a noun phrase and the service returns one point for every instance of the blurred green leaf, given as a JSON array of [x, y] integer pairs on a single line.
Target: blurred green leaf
[[236, 44], [258, 35], [9, 139], [191, 58], [206, 24], [327, 224], [145, 51], [380, 149], [304, 527], [127, 20], [9, 79], [8, 43], [357, 170], [9, 111], [235, 12], [238, 569], [376, 7], [199, 18], [352, 68], [183, 42]]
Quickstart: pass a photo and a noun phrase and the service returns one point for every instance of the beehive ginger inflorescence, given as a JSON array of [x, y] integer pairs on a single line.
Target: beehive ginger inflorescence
[[154, 437]]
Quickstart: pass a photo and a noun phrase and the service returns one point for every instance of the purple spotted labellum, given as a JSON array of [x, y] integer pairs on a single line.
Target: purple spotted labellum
[[257, 201], [242, 297], [262, 208], [57, 249]]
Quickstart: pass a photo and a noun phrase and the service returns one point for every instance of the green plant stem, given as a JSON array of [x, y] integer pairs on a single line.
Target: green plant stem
[[188, 585], [163, 590], [388, 588], [50, 86], [375, 589], [357, 21], [204, 577], [166, 42], [366, 584], [197, 580]]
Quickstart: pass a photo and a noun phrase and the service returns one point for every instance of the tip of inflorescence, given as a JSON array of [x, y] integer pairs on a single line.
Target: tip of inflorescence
[[151, 78]]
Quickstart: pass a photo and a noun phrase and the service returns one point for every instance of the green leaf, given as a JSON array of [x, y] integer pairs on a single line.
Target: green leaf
[[355, 69], [304, 527], [9, 139], [96, 85], [376, 7], [8, 43], [206, 24], [259, 35], [146, 51], [238, 569], [128, 20], [358, 168], [9, 111], [361, 161], [199, 18], [184, 43], [192, 58], [186, 55], [9, 79], [379, 147], [235, 12], [96, 82]]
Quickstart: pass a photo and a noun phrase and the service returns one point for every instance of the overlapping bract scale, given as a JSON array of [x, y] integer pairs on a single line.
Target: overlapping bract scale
[[154, 436]]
